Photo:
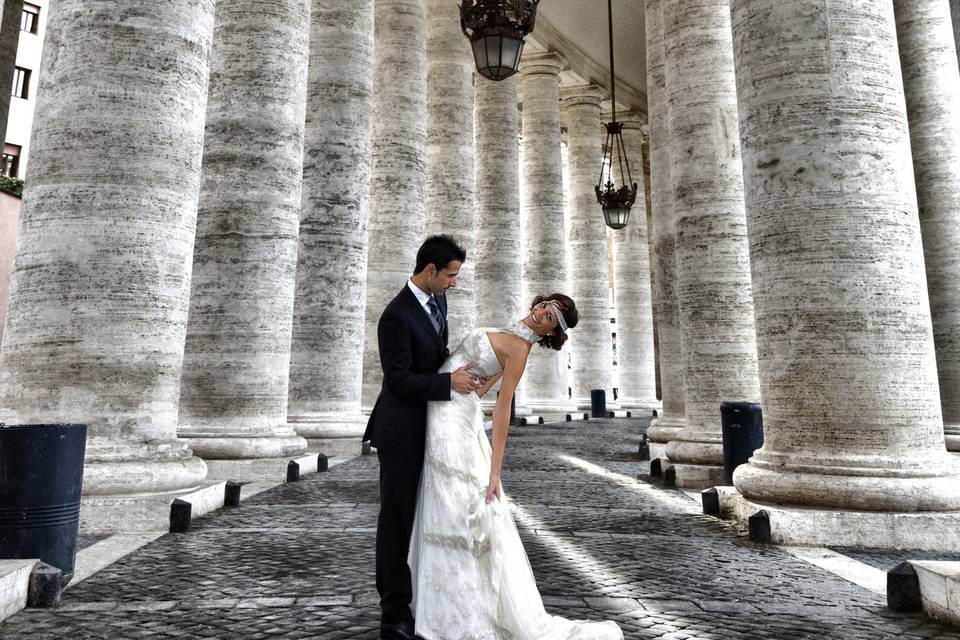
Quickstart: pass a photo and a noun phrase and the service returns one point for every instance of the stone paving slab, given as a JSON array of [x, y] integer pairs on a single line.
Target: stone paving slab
[[296, 561]]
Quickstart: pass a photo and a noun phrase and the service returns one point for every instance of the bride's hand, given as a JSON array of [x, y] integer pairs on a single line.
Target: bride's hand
[[493, 490]]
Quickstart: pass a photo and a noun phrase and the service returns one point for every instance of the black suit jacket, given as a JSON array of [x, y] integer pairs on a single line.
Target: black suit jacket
[[411, 352]]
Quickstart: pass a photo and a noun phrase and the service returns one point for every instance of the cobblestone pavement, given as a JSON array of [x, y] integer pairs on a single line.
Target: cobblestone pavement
[[297, 561]]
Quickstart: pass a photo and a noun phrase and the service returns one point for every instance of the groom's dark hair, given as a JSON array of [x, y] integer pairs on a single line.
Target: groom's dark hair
[[439, 251]]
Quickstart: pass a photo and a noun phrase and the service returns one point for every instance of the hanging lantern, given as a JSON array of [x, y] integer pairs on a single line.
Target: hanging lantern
[[615, 202], [496, 29]]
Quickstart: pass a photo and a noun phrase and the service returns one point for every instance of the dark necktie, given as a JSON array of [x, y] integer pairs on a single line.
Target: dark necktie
[[435, 315]]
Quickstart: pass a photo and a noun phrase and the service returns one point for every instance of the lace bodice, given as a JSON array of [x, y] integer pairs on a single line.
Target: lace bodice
[[476, 348]]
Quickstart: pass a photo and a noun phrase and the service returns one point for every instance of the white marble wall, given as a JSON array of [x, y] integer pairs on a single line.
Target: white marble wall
[[932, 87], [449, 191], [101, 278], [544, 243], [326, 354], [233, 399], [847, 362], [672, 419], [712, 252], [591, 351], [632, 287], [396, 227]]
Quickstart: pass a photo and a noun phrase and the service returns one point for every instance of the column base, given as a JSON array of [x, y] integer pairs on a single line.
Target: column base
[[551, 407], [334, 433], [658, 450], [242, 442], [696, 452], [117, 469], [800, 526], [698, 476], [664, 429], [951, 434], [931, 485]]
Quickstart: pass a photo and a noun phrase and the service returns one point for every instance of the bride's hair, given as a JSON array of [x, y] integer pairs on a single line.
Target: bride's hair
[[570, 315]]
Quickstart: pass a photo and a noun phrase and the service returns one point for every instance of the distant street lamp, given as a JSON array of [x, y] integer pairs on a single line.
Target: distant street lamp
[[616, 202], [496, 29]]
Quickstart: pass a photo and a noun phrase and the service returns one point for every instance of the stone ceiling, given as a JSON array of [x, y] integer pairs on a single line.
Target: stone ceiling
[[578, 29]]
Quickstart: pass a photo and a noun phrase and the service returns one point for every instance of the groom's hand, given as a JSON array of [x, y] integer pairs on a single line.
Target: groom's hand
[[462, 381]]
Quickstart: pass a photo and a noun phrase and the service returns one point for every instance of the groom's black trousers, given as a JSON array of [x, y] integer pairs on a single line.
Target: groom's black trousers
[[399, 482]]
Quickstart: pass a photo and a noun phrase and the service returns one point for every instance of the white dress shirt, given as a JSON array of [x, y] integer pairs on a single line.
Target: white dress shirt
[[422, 296]]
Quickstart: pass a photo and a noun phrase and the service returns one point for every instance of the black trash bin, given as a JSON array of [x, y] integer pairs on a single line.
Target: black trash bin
[[742, 424], [41, 475], [598, 403]]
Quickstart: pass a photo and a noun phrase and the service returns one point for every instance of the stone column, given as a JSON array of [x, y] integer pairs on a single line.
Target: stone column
[[544, 269], [10, 13], [399, 170], [101, 278], [233, 402], [932, 88], [631, 288], [847, 363], [499, 256], [955, 12], [592, 351], [712, 251], [450, 171], [672, 419], [326, 354]]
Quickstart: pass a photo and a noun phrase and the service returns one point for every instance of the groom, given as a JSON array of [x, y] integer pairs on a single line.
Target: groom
[[412, 336]]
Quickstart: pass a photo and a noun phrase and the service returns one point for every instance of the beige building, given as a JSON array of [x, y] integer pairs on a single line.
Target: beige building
[[16, 148]]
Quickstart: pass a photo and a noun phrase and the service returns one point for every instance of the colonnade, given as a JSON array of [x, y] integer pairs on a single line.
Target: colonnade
[[276, 180]]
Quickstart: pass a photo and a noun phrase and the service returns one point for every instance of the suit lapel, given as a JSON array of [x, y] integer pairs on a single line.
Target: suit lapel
[[421, 314]]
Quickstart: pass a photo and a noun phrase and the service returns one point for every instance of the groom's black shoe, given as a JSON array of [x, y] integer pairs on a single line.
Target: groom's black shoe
[[399, 631]]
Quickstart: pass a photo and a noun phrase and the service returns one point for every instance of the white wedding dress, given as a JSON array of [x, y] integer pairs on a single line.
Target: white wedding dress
[[471, 576]]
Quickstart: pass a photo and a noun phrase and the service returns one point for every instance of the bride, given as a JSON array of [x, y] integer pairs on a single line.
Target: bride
[[471, 576]]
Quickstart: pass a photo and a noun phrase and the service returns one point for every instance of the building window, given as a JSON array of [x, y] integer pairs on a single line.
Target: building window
[[30, 18], [11, 161], [21, 82]]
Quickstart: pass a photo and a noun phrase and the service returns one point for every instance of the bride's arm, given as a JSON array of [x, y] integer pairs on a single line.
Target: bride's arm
[[515, 356]]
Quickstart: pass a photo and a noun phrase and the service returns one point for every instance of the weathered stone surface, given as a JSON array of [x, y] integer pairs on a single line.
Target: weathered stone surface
[[101, 278], [955, 12], [326, 354], [499, 255], [670, 340], [399, 165], [631, 288], [712, 251], [932, 88], [10, 12], [591, 350], [233, 400], [544, 268], [449, 192], [847, 363]]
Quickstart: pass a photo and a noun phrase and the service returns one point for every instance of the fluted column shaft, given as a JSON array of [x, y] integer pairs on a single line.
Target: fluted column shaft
[[932, 88], [544, 269], [326, 354], [592, 349], [631, 288], [233, 402], [101, 278], [847, 362], [713, 256], [450, 187], [499, 255], [399, 165], [672, 419]]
